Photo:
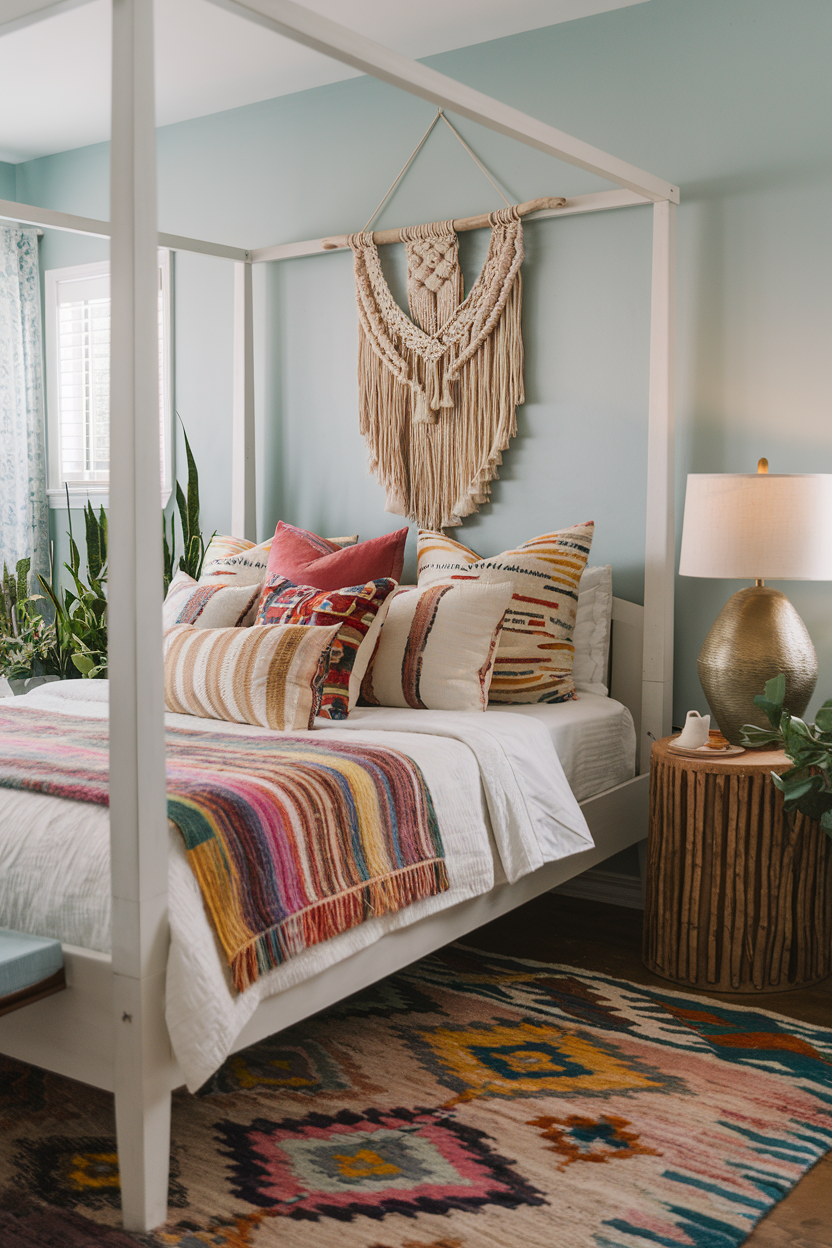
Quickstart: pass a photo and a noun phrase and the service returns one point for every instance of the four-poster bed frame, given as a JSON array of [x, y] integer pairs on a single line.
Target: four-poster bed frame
[[108, 1028]]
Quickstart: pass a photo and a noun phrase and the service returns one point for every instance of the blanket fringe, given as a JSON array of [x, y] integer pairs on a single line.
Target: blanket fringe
[[334, 915]]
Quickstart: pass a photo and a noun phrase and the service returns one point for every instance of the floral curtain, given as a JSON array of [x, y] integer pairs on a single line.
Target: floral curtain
[[24, 516]]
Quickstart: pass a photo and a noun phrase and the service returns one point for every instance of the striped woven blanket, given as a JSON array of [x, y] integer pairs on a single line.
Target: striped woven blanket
[[292, 840]]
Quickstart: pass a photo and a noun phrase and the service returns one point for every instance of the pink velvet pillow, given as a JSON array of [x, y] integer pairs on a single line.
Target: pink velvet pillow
[[308, 559]]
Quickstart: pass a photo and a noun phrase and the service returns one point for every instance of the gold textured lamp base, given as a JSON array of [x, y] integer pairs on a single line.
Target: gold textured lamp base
[[757, 634]]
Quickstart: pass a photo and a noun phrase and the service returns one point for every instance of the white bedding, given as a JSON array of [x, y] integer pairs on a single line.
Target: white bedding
[[502, 800], [594, 738]]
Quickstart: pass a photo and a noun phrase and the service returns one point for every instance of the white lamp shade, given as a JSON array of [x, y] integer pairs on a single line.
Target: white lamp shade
[[776, 526]]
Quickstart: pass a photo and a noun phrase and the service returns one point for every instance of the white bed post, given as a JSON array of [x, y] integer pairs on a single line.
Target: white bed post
[[138, 820], [243, 501], [660, 545]]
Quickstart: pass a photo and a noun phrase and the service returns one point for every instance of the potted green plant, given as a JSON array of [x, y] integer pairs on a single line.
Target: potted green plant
[[29, 653], [81, 611], [807, 785]]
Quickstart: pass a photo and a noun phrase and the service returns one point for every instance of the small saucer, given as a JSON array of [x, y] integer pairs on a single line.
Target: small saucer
[[705, 751]]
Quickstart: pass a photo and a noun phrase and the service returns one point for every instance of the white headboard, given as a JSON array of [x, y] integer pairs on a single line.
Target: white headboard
[[626, 657]]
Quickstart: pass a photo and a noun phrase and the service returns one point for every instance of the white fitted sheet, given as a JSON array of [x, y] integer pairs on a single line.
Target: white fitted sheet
[[594, 738]]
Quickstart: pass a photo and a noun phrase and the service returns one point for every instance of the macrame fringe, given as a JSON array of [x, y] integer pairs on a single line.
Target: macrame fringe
[[437, 404], [437, 470]]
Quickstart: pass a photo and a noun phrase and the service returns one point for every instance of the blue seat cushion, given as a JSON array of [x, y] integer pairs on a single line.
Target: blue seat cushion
[[26, 960]]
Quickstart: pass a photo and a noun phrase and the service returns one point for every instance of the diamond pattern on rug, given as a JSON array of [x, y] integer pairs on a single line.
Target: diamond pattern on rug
[[79, 1172], [602, 1139], [520, 1059], [401, 1161], [305, 1068]]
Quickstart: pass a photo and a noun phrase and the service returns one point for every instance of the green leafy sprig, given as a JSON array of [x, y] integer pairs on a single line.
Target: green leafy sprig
[[807, 785]]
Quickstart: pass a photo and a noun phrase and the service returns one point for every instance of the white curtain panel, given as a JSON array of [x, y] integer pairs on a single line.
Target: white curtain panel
[[24, 516]]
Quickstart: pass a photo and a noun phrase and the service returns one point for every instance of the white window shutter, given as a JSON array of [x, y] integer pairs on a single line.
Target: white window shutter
[[79, 397]]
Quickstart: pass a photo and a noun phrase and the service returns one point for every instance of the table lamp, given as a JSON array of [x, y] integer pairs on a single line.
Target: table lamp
[[757, 526]]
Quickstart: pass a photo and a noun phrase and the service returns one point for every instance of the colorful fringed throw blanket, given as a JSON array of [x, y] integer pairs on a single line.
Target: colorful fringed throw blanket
[[292, 840]]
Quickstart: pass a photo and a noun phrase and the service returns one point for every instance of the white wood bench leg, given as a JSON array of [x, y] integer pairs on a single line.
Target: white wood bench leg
[[142, 1091]]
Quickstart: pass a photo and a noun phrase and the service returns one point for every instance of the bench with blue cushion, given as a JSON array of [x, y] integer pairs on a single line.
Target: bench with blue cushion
[[31, 967]]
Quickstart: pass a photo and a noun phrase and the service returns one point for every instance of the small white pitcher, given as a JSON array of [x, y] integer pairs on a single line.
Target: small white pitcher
[[695, 731]]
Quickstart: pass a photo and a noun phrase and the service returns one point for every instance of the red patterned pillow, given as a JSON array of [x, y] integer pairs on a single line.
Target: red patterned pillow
[[360, 610], [307, 559]]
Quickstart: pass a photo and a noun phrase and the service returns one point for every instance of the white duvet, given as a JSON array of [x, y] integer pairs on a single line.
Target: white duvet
[[502, 800]]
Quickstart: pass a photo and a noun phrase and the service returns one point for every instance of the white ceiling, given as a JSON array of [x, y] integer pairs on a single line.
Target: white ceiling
[[55, 75]]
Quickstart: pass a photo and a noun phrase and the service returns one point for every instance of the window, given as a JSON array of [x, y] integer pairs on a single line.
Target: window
[[77, 318]]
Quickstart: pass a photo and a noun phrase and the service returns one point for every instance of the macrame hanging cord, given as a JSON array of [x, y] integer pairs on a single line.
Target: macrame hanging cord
[[438, 393]]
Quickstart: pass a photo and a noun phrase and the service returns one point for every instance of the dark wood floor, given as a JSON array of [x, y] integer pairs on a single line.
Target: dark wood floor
[[607, 939]]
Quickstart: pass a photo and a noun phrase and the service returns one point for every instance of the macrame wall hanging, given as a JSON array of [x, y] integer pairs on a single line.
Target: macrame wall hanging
[[438, 393]]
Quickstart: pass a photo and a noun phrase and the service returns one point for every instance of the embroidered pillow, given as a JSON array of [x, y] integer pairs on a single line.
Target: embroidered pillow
[[534, 657], [309, 560], [208, 606], [267, 676], [437, 647], [234, 559], [359, 613]]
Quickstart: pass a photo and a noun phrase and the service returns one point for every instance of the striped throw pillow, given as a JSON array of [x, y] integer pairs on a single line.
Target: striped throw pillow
[[208, 606], [536, 648], [269, 676], [436, 649], [238, 561], [359, 613]]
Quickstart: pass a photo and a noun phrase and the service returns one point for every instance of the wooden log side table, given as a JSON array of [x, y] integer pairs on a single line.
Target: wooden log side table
[[739, 893]]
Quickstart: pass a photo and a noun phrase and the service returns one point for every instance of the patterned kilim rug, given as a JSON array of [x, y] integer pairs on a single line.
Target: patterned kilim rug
[[474, 1101]]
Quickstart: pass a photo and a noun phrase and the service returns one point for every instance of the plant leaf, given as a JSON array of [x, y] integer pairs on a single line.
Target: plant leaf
[[793, 790], [193, 489], [772, 710], [22, 569], [94, 551], [752, 735], [776, 689], [182, 507]]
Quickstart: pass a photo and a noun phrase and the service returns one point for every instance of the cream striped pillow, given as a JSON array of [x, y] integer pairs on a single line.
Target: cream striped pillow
[[271, 676], [536, 646], [436, 648]]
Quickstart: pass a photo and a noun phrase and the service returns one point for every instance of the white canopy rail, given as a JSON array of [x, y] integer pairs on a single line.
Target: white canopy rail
[[141, 1076]]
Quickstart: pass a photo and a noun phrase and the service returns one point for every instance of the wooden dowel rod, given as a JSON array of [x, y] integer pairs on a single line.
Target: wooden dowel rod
[[464, 223]]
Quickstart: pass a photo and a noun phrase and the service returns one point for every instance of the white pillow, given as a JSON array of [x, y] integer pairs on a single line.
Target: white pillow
[[208, 605], [437, 647], [592, 631]]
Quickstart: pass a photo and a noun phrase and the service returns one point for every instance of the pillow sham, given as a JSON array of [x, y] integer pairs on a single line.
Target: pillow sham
[[236, 559], [269, 676], [437, 647], [305, 559], [208, 606], [534, 656], [592, 631], [358, 611]]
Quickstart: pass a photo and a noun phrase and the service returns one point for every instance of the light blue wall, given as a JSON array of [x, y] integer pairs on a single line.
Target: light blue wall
[[7, 180], [731, 99]]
